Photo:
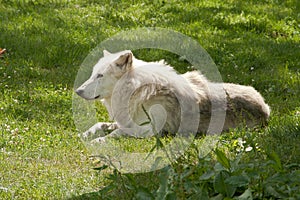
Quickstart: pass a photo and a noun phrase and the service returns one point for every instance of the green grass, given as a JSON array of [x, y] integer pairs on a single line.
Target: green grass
[[252, 42]]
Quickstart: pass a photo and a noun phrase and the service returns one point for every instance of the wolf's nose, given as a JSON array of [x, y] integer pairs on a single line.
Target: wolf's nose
[[79, 92]]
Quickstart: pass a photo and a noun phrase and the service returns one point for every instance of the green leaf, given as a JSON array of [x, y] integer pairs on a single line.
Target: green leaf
[[187, 172], [158, 145], [171, 196], [101, 167], [272, 191], [147, 114], [163, 184], [221, 157], [221, 186], [207, 175], [218, 197], [238, 181], [131, 184], [144, 194], [201, 193], [145, 123], [277, 163], [247, 195]]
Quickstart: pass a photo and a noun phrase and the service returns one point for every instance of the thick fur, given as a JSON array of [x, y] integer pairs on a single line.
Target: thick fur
[[151, 84]]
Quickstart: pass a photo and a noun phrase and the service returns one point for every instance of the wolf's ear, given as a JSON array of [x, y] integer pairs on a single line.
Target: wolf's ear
[[124, 62], [106, 53]]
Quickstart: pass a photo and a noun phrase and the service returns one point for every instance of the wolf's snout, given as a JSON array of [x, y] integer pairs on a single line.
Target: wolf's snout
[[79, 92]]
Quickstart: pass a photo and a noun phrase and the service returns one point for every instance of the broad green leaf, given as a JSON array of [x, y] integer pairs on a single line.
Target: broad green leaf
[[272, 191], [163, 184], [238, 181], [277, 163], [219, 167], [187, 172], [221, 157], [221, 186], [207, 175], [132, 185], [218, 197], [156, 163], [247, 195], [201, 193], [171, 196], [144, 194]]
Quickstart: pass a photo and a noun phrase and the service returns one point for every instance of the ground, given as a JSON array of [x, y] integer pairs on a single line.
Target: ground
[[253, 43]]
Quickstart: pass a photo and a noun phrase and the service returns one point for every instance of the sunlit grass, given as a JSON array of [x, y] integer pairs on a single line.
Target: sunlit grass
[[252, 42]]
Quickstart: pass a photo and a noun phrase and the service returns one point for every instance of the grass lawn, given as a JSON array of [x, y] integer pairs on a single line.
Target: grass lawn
[[252, 42]]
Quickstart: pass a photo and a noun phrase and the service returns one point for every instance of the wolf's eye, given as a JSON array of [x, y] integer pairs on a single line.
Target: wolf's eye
[[99, 75], [119, 65]]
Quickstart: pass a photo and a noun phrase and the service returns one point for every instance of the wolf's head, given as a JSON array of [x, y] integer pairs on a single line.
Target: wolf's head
[[105, 75]]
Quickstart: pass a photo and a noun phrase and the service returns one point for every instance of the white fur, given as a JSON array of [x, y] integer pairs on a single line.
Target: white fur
[[127, 86]]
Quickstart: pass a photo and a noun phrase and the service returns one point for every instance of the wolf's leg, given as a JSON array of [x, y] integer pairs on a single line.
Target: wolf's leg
[[158, 117], [141, 132], [98, 127], [115, 134]]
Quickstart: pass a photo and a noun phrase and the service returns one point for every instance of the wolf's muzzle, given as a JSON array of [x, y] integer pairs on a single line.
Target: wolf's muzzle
[[79, 92]]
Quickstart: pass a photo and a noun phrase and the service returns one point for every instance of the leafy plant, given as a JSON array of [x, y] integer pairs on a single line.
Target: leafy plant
[[192, 177]]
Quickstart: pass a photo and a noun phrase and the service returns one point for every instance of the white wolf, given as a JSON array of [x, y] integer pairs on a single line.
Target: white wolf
[[134, 92]]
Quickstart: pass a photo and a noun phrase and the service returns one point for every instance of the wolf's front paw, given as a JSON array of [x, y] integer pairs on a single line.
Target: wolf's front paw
[[86, 135], [94, 131], [98, 140]]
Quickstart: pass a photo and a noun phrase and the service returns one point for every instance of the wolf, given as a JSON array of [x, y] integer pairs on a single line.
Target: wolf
[[148, 98]]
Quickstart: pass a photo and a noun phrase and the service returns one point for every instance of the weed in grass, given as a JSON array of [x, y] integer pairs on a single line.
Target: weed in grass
[[191, 177]]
